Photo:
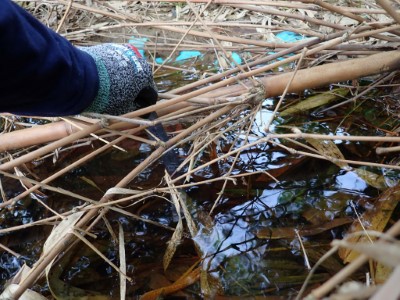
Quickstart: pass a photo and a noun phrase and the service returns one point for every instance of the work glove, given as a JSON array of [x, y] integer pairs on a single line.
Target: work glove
[[125, 79]]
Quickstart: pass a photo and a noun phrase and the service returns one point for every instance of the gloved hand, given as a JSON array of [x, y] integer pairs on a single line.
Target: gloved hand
[[125, 79]]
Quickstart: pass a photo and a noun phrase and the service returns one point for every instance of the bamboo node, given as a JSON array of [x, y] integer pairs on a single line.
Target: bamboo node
[[104, 123], [258, 92]]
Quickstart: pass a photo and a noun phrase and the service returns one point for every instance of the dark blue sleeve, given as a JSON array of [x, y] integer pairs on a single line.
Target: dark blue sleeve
[[41, 73]]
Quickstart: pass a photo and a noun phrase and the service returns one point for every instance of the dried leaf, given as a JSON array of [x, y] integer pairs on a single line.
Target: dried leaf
[[27, 184], [91, 183], [65, 227], [189, 220], [375, 180], [173, 243], [187, 279], [178, 233], [329, 149], [27, 295], [391, 288]]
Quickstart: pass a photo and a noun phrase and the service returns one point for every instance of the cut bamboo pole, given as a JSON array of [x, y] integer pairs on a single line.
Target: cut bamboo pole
[[35, 135], [50, 147], [321, 75]]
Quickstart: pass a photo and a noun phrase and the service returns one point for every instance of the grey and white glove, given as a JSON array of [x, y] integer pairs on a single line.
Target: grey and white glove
[[125, 79]]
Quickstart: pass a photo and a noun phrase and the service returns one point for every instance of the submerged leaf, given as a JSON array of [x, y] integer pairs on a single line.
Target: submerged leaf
[[91, 183], [315, 101], [329, 149], [375, 219], [375, 180], [289, 232]]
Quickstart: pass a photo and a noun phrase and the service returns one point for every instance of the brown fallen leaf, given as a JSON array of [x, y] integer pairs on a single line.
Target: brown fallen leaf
[[186, 280]]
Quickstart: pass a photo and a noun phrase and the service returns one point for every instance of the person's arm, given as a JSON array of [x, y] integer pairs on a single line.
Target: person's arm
[[43, 74]]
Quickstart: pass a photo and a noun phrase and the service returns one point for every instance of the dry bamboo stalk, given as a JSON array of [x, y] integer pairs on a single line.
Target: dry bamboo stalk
[[21, 138], [50, 147], [37, 270], [335, 72]]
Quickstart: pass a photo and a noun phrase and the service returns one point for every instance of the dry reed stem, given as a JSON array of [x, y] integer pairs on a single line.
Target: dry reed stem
[[65, 16], [340, 10], [67, 239], [271, 137], [387, 6], [285, 91], [280, 4], [308, 19], [183, 36], [70, 167], [50, 147], [249, 119]]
